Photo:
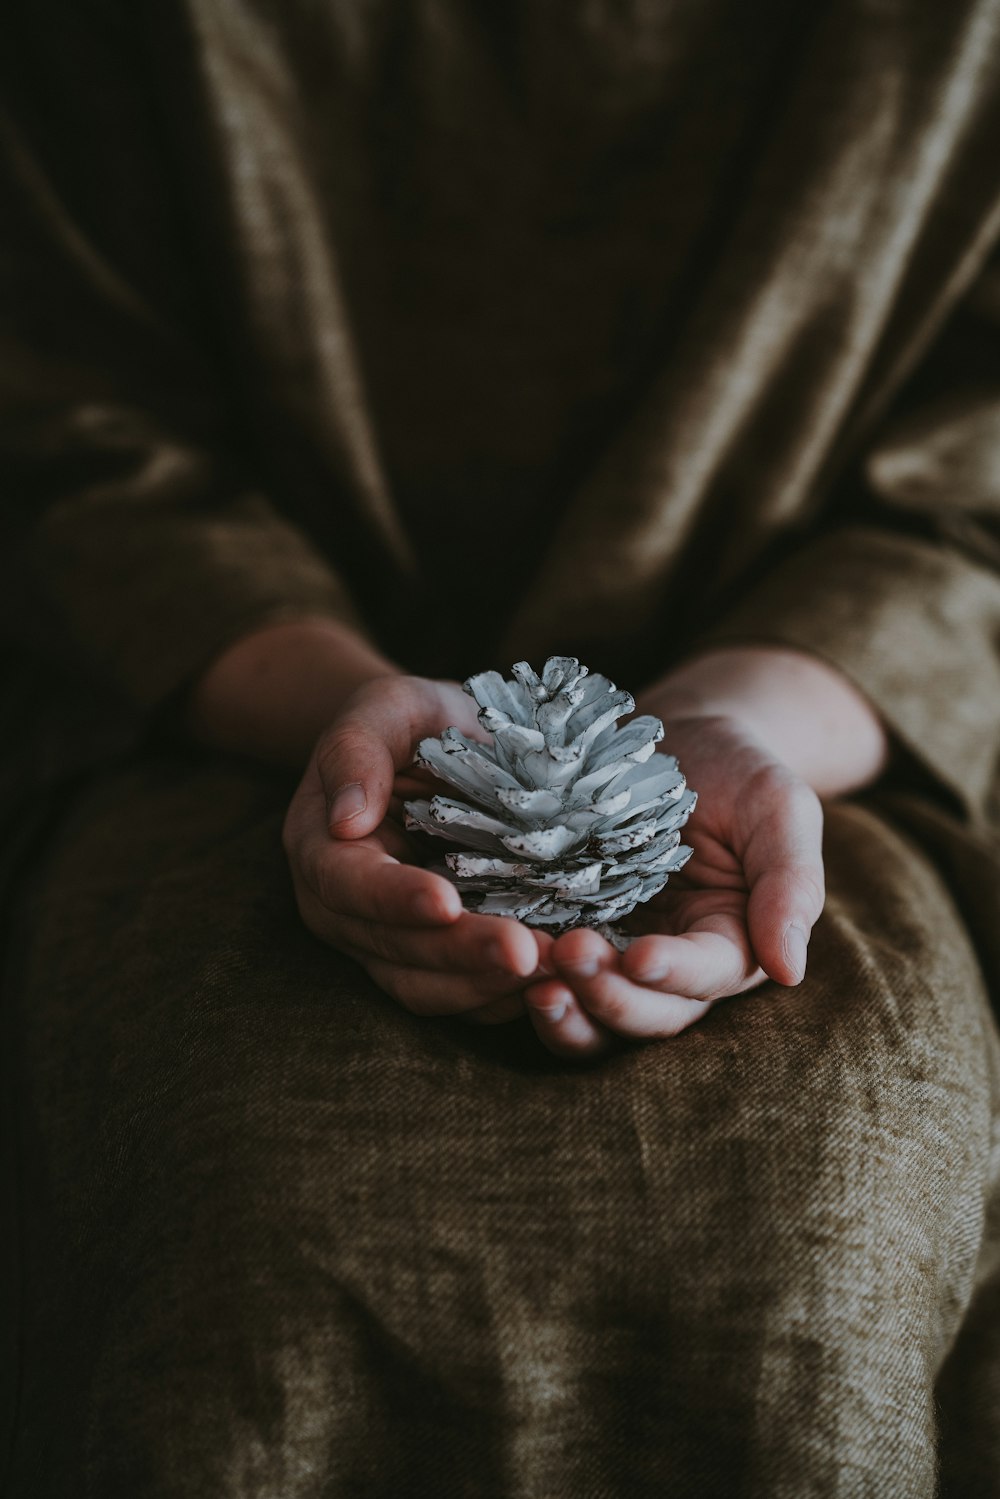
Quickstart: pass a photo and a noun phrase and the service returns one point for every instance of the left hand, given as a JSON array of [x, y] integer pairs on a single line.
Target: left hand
[[359, 878], [741, 911]]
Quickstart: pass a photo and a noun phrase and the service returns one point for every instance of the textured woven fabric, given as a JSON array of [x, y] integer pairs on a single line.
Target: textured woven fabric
[[303, 298], [682, 322], [286, 1239]]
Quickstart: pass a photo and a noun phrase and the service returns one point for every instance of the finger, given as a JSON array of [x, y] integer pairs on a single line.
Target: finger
[[391, 834], [711, 960], [783, 863], [614, 1001], [543, 942], [497, 1012], [425, 992], [362, 896], [358, 757], [361, 879], [561, 1023], [478, 945]]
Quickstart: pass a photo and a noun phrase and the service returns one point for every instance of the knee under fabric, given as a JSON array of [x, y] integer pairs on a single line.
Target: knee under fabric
[[284, 1237]]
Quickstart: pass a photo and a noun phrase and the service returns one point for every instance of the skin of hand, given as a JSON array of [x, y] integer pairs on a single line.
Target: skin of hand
[[741, 911], [315, 691], [359, 878], [761, 733]]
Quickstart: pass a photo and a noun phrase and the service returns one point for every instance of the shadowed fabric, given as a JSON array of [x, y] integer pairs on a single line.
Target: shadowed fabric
[[288, 1239], [610, 331]]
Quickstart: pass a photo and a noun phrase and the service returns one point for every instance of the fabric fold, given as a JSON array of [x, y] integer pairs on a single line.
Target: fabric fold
[[137, 541], [912, 624]]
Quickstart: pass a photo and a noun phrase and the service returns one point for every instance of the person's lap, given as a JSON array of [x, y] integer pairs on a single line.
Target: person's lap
[[285, 1238]]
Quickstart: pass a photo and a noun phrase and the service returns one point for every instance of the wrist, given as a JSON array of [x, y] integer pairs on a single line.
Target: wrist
[[804, 711], [272, 692]]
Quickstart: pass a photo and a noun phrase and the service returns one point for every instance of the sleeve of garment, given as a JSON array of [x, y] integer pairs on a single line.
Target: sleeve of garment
[[133, 546], [899, 586]]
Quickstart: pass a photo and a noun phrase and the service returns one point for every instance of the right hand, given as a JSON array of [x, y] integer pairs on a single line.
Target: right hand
[[358, 875]]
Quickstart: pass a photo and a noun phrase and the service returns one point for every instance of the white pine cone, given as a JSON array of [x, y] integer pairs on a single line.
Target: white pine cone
[[559, 822]]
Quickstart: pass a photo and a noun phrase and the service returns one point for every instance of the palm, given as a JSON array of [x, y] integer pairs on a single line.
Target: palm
[[717, 929], [362, 882], [703, 908], [710, 894], [715, 865]]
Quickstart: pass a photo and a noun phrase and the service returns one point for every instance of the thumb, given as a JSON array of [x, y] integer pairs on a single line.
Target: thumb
[[783, 863], [358, 756]]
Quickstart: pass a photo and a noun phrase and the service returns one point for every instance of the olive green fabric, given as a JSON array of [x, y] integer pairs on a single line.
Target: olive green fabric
[[286, 1239], [504, 329], [496, 330]]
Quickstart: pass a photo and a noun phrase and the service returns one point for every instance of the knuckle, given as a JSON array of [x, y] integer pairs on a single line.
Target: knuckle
[[339, 746], [400, 687], [396, 692], [677, 1020], [777, 788], [326, 883], [734, 978], [419, 992], [403, 987], [803, 804], [809, 885], [391, 684], [609, 1006], [770, 781], [380, 942]]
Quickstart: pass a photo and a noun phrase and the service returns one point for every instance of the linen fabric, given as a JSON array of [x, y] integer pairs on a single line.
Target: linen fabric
[[612, 331], [284, 1238]]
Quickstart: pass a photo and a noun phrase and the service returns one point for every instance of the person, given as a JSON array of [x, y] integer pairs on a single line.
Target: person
[[351, 350]]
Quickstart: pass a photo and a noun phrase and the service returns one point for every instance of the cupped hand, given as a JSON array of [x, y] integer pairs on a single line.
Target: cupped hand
[[741, 911], [359, 878]]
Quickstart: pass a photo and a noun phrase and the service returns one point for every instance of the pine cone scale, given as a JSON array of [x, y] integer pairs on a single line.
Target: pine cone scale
[[593, 827]]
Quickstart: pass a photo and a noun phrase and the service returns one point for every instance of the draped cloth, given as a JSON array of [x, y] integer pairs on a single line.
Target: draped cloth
[[615, 331]]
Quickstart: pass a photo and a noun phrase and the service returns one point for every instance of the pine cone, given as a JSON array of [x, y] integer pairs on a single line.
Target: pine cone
[[559, 821]]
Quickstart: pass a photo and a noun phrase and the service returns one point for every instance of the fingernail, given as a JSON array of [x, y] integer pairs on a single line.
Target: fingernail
[[795, 950], [348, 801], [654, 974], [586, 967], [550, 1012]]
